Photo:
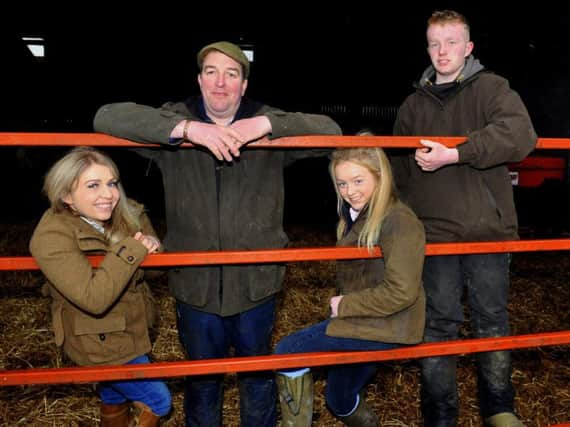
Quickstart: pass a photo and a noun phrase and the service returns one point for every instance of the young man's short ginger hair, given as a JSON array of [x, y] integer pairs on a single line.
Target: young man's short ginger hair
[[442, 17]]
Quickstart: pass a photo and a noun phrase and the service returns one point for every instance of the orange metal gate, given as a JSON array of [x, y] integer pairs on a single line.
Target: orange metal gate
[[183, 368]]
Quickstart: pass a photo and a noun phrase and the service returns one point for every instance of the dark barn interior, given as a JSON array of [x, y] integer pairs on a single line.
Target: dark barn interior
[[354, 63]]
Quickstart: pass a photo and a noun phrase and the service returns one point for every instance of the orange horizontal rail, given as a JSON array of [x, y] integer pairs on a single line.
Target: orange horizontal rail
[[213, 366], [274, 362], [313, 141], [309, 254]]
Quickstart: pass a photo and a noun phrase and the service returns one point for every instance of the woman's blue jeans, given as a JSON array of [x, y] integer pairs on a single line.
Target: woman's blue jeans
[[153, 393], [344, 382], [210, 336]]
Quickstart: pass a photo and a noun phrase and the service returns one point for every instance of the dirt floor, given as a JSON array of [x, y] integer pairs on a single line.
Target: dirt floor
[[540, 295]]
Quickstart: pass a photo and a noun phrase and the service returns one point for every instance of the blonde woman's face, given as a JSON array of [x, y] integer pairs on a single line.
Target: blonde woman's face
[[95, 194], [355, 184]]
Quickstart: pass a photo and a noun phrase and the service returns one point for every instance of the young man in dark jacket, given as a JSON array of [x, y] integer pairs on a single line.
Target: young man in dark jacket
[[220, 198], [464, 194]]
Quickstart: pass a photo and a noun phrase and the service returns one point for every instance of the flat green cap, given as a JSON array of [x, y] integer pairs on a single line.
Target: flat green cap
[[229, 49]]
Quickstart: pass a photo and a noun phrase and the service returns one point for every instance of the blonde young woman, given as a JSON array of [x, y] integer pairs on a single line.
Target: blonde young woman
[[101, 315], [380, 303]]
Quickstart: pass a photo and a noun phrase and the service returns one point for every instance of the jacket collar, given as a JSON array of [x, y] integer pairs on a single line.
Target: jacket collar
[[83, 227], [353, 228], [472, 66], [247, 108]]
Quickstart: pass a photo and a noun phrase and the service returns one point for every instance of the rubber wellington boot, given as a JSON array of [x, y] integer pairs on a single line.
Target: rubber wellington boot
[[115, 415], [144, 417], [363, 416], [296, 400], [504, 419]]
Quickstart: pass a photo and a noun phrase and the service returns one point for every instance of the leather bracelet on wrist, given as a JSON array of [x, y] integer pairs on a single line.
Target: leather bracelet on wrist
[[185, 131]]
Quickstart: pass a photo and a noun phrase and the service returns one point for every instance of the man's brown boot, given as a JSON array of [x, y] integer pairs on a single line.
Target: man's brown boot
[[115, 415], [144, 417]]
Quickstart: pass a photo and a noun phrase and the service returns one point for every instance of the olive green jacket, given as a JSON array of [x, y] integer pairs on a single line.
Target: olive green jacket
[[384, 299], [471, 200], [100, 315], [214, 206]]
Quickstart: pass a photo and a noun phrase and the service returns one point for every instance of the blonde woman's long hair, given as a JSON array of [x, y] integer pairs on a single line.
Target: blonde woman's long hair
[[383, 196], [64, 175]]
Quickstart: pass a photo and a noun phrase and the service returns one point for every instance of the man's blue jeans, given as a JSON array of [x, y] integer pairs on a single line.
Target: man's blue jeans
[[208, 336], [153, 393], [344, 382], [486, 279]]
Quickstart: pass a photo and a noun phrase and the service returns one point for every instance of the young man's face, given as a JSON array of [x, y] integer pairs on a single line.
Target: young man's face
[[448, 46], [222, 85]]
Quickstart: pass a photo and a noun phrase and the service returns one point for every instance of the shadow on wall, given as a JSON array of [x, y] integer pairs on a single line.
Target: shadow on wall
[[22, 169], [309, 195]]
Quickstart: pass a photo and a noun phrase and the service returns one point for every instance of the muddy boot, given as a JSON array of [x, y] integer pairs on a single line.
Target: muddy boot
[[363, 416], [115, 415], [296, 399], [504, 419], [144, 417]]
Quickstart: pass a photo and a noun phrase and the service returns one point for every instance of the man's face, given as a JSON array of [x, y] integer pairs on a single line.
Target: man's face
[[448, 46], [222, 85]]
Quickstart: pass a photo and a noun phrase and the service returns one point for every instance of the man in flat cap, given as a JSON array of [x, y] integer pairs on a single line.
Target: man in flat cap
[[221, 197]]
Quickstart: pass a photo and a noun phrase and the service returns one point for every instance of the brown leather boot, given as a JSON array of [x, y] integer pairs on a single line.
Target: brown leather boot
[[144, 417], [115, 415]]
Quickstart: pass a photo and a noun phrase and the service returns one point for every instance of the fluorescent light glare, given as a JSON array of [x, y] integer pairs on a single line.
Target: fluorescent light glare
[[37, 50], [249, 54]]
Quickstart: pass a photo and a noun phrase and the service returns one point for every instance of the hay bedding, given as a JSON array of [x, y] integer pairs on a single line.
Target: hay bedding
[[540, 296]]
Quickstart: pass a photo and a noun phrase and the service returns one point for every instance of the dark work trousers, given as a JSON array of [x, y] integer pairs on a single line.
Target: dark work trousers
[[208, 336], [486, 280]]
